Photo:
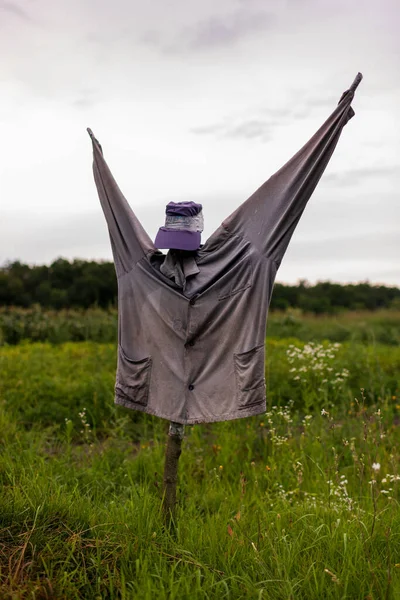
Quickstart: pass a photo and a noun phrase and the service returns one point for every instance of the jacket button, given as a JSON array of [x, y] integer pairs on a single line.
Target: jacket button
[[193, 299], [191, 343], [191, 387]]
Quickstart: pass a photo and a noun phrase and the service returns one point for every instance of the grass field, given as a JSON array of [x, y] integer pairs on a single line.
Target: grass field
[[299, 503], [40, 325]]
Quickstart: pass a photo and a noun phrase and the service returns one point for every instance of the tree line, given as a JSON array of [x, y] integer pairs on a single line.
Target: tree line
[[84, 284]]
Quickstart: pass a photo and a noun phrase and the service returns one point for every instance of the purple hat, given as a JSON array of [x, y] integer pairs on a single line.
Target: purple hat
[[183, 227]]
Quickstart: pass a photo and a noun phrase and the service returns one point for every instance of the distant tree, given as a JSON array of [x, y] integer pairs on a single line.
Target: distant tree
[[82, 284]]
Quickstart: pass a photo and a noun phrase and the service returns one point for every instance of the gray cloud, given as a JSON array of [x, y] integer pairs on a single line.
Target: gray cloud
[[383, 245], [248, 129], [14, 9], [369, 256], [86, 98], [218, 31], [323, 101], [215, 129], [50, 236], [386, 275], [268, 119], [260, 127], [82, 235], [252, 129], [301, 106], [357, 176], [225, 31]]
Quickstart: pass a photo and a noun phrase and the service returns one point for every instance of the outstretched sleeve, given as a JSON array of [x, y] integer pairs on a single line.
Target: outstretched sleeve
[[269, 217], [129, 240]]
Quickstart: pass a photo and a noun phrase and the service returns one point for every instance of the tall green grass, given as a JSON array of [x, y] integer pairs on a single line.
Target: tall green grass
[[44, 384], [40, 325], [300, 503]]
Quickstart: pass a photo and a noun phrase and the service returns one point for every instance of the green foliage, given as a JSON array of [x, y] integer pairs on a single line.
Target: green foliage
[[297, 503], [326, 297], [41, 325], [82, 284], [381, 326], [46, 384], [64, 284]]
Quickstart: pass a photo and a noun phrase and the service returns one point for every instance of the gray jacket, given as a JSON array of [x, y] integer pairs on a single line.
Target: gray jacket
[[195, 354]]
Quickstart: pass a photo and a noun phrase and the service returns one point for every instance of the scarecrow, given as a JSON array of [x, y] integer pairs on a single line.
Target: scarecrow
[[192, 323]]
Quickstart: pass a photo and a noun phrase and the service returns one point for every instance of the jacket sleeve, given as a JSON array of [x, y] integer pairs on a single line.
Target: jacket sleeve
[[269, 217], [129, 240]]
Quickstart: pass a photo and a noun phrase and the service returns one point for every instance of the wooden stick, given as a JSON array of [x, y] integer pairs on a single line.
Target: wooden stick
[[172, 453]]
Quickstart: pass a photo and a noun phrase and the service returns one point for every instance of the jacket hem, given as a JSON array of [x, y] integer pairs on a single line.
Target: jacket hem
[[252, 411]]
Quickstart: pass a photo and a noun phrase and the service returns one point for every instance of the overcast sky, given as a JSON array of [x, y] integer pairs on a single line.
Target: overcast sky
[[199, 101]]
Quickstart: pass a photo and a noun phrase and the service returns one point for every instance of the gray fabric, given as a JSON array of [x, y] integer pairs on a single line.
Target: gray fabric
[[178, 266], [197, 354]]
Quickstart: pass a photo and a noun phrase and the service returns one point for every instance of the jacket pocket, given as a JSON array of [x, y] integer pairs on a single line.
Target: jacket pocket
[[236, 280], [250, 377], [133, 378]]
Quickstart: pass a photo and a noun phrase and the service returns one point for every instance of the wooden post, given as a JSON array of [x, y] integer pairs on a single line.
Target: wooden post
[[172, 453]]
